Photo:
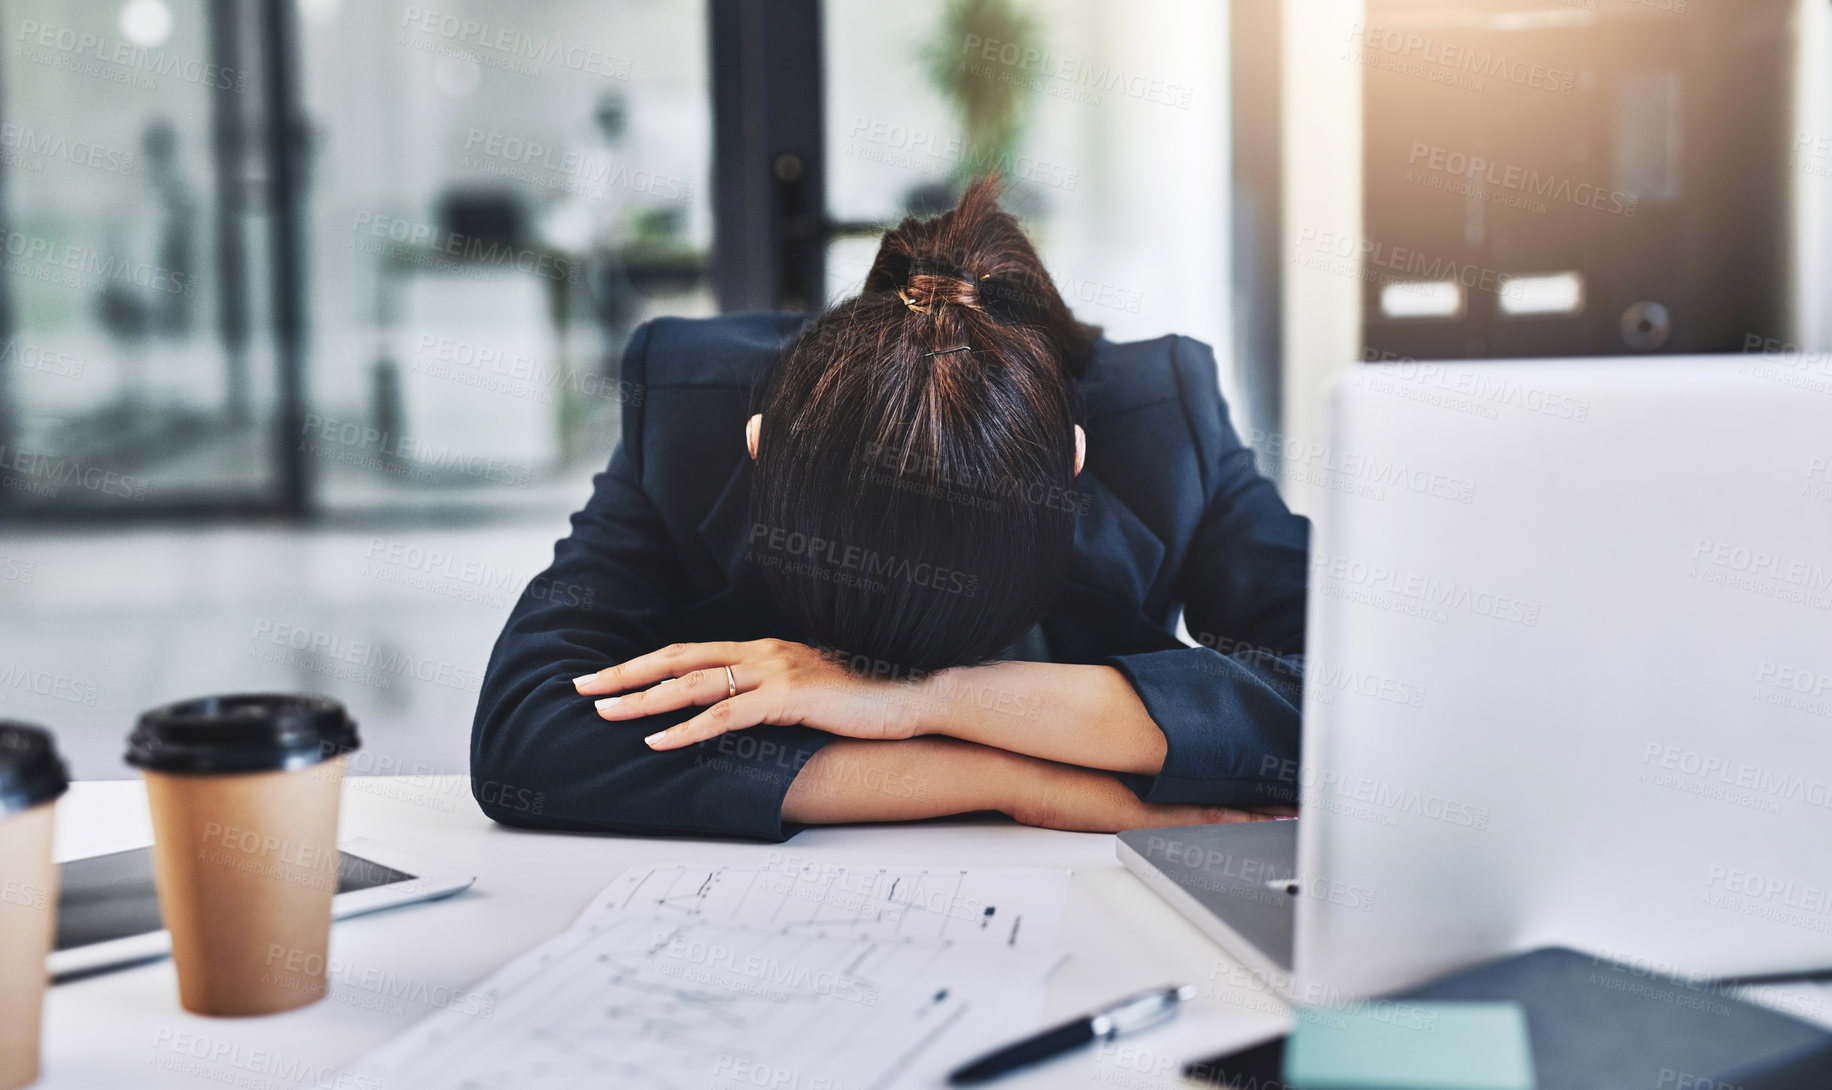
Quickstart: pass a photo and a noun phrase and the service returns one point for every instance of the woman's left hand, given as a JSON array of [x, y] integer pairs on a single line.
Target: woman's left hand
[[746, 684]]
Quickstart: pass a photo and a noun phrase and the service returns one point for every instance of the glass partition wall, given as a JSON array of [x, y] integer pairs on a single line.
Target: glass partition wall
[[408, 298], [501, 192], [136, 368]]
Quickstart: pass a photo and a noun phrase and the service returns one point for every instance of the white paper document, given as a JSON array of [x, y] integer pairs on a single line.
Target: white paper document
[[690, 977], [997, 906]]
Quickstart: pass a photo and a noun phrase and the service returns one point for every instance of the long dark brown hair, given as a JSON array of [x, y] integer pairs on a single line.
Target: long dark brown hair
[[914, 501]]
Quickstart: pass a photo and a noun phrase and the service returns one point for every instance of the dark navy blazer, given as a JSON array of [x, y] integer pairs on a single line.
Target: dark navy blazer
[[1174, 517]]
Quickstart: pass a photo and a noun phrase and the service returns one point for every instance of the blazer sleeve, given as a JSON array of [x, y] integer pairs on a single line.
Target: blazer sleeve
[[1229, 709], [541, 757]]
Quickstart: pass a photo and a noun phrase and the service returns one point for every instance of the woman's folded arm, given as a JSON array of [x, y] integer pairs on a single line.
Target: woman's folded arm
[[1081, 715], [852, 780], [540, 755], [1206, 728], [1230, 709]]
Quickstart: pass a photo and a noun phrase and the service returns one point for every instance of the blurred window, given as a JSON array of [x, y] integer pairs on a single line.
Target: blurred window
[[501, 191]]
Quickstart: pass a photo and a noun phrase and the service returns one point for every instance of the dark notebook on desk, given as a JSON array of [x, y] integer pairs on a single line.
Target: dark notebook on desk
[[1599, 1025]]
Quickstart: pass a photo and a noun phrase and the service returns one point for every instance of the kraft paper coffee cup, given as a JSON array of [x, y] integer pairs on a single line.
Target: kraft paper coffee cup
[[244, 794], [31, 779]]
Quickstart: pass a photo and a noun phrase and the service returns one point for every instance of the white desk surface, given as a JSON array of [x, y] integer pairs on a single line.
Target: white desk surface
[[126, 1029]]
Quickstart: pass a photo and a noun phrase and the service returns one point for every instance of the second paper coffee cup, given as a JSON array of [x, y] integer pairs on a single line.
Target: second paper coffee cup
[[31, 779], [244, 795]]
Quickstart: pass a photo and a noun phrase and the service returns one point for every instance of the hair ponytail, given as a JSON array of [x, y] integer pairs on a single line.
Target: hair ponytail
[[975, 255]]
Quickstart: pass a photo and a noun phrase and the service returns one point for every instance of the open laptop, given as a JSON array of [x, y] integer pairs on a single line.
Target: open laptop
[[1570, 682]]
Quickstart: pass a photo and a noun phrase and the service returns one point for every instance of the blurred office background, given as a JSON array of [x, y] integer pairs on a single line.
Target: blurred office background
[[310, 310]]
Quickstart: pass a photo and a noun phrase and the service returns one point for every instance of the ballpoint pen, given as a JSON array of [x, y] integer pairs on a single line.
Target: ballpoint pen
[[1128, 1015]]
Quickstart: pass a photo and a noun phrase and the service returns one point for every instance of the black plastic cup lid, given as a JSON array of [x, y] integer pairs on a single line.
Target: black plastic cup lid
[[30, 771], [249, 732]]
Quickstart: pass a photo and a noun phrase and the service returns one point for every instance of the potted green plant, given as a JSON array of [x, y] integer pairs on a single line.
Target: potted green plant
[[990, 99]]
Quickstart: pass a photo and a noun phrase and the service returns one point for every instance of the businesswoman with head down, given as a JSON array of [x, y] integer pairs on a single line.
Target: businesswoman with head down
[[921, 555]]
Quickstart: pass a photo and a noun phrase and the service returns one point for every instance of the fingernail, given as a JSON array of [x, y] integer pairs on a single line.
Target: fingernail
[[654, 738], [664, 681], [607, 703], [583, 678]]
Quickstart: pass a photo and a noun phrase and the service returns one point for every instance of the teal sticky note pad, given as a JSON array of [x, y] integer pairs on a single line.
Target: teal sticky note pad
[[1396, 1044]]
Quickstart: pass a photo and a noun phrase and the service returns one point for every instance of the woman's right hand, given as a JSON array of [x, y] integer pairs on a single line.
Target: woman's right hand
[[1079, 800]]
